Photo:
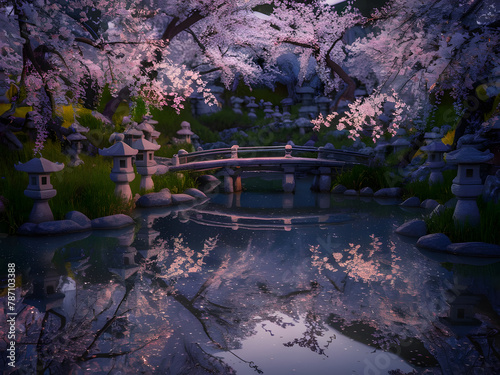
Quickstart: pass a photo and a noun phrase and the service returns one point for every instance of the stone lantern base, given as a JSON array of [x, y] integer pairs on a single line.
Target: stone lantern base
[[466, 210], [41, 211], [122, 188]]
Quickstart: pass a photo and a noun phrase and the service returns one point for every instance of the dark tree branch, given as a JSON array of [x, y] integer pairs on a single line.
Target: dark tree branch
[[174, 28]]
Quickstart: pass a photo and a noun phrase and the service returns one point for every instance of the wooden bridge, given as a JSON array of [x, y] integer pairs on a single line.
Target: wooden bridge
[[284, 159]]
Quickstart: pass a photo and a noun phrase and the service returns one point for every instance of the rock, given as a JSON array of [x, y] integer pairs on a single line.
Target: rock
[[411, 202], [195, 193], [478, 249], [366, 192], [438, 210], [309, 143], [79, 218], [429, 204], [182, 198], [161, 169], [421, 173], [329, 146], [388, 193], [339, 189], [434, 242], [112, 222], [27, 229], [60, 227], [351, 192], [366, 151], [414, 228], [208, 183], [160, 199], [491, 188]]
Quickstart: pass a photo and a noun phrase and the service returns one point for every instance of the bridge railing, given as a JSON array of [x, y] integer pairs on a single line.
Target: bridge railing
[[288, 151]]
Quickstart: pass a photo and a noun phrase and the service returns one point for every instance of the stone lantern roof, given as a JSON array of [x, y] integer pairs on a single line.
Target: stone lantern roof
[[400, 142], [39, 165], [287, 102], [186, 129], [118, 149], [134, 132], [144, 145], [145, 127], [155, 134], [468, 155], [75, 137], [149, 119], [77, 128], [436, 146]]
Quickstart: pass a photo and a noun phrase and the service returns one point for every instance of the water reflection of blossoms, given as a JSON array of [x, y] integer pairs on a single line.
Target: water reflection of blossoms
[[185, 303]]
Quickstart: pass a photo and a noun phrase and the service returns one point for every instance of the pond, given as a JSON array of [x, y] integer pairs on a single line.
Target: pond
[[249, 283]]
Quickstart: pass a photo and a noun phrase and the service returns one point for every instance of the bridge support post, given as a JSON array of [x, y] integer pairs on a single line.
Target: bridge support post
[[228, 184], [325, 179], [232, 181], [289, 180]]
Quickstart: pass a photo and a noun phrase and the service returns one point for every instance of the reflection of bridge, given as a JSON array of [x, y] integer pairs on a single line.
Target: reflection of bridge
[[285, 159], [260, 220]]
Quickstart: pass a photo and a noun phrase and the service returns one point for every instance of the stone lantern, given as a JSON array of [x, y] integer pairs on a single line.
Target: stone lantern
[[237, 102], [287, 104], [435, 162], [123, 169], [399, 144], [251, 108], [431, 136], [132, 135], [39, 187], [324, 105], [277, 114], [145, 162], [154, 137], [146, 129], [76, 140], [185, 133], [467, 186], [268, 110], [306, 94]]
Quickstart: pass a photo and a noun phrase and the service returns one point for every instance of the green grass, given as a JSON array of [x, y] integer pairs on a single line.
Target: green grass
[[441, 192], [224, 119], [395, 158], [176, 182], [360, 176], [86, 188], [485, 232]]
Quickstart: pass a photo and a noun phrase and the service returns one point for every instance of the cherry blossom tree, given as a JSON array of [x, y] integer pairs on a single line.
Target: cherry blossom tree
[[423, 50], [53, 51]]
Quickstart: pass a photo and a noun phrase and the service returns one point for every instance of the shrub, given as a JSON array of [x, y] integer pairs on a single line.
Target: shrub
[[176, 182], [485, 232], [360, 176], [225, 119], [440, 191]]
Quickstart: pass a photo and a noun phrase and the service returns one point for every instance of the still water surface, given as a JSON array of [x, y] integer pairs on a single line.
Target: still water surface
[[248, 284]]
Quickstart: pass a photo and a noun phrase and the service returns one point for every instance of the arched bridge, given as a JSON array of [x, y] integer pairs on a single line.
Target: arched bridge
[[285, 159]]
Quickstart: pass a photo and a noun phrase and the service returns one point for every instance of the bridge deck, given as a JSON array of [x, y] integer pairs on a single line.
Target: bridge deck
[[273, 158], [260, 164]]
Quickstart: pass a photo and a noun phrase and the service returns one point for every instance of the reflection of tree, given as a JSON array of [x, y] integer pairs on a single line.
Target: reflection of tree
[[314, 328], [190, 302]]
